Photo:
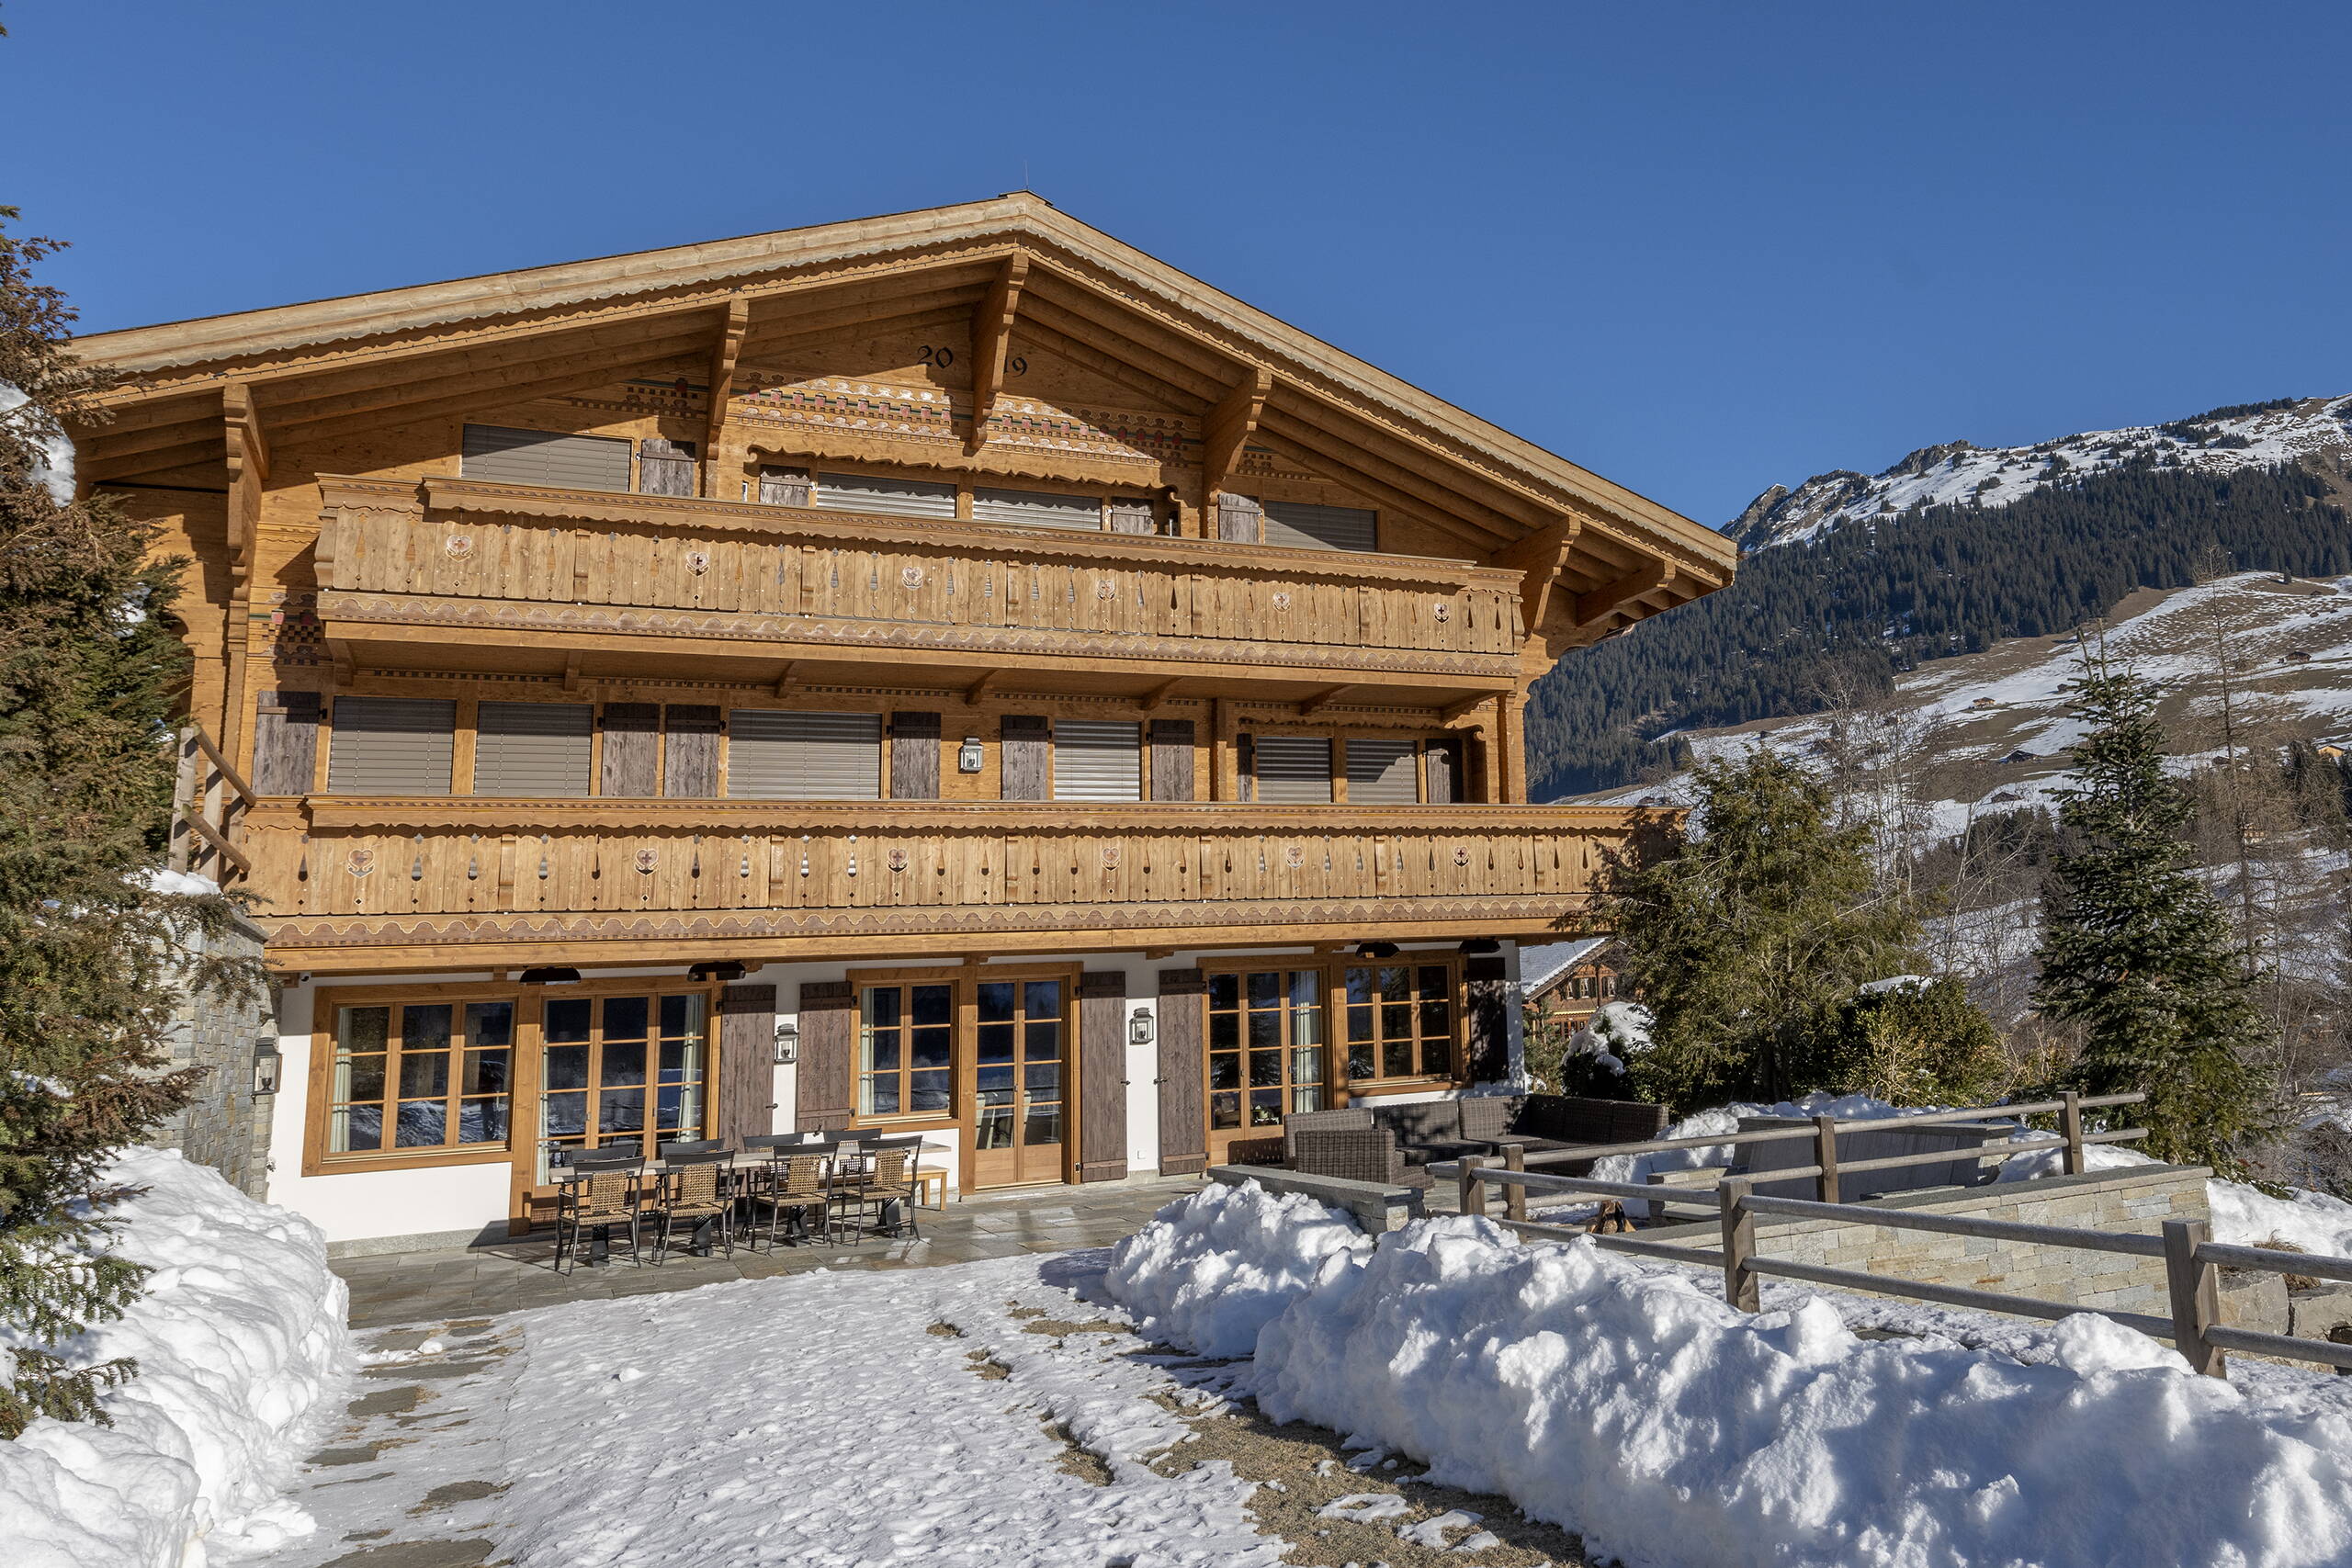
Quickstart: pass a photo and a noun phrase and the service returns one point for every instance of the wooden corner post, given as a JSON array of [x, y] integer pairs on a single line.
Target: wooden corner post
[[1824, 1154], [2070, 1122], [1515, 1193], [1740, 1286], [2196, 1296], [1473, 1187]]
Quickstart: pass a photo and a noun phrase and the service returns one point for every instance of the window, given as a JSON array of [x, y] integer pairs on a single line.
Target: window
[[1265, 1058], [1037, 508], [391, 746], [1304, 527], [1381, 772], [1097, 760], [626, 1071], [773, 755], [906, 1051], [1400, 1021], [544, 457], [422, 1076], [532, 748], [895, 497], [1294, 769]]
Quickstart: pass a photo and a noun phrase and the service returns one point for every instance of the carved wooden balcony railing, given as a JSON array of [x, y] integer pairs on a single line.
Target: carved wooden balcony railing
[[503, 881], [475, 561]]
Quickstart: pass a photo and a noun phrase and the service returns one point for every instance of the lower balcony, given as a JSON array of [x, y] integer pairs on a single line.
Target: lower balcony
[[347, 883]]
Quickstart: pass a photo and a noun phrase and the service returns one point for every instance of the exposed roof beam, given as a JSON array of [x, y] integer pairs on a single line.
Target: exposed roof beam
[[1110, 367], [731, 328], [1465, 706], [1322, 699], [1230, 424], [1542, 557], [479, 400], [1431, 490], [1595, 603], [991, 336], [491, 377], [980, 687], [1159, 695], [1197, 386], [202, 451], [1478, 539], [1207, 366], [806, 323]]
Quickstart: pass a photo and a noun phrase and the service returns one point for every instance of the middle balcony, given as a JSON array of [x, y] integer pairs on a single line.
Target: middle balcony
[[456, 572]]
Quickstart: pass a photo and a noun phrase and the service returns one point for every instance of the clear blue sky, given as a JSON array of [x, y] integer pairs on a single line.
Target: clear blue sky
[[1698, 248]]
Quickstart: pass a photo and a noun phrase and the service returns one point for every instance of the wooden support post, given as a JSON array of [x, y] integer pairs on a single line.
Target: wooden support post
[[2070, 1121], [1515, 1193], [1473, 1187], [1740, 1286], [1824, 1154], [2196, 1296], [184, 793]]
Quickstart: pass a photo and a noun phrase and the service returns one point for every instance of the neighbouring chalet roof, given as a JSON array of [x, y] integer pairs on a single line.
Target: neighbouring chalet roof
[[1542, 964], [316, 371]]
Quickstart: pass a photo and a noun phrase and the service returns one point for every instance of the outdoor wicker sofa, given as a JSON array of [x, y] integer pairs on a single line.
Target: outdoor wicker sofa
[[1392, 1144]]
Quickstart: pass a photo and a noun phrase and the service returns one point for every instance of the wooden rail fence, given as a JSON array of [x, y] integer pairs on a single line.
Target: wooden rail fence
[[209, 800]]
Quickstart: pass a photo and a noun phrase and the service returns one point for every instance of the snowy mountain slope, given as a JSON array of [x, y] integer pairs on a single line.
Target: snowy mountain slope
[[2248, 436]]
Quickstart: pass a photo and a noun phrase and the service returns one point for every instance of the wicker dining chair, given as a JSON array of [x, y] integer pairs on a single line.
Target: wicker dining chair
[[892, 1180], [793, 1188], [694, 1193], [608, 1197]]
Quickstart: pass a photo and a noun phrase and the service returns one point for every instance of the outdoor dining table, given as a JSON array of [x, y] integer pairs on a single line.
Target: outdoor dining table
[[698, 1243]]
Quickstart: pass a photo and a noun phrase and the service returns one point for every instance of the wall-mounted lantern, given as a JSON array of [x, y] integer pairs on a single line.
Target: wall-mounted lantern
[[968, 756], [1140, 1027], [787, 1042], [266, 1060]]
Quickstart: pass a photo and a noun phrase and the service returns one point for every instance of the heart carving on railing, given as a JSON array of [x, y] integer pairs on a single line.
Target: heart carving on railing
[[646, 859]]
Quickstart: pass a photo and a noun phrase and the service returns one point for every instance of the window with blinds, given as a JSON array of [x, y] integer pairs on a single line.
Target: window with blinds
[[1294, 769], [532, 748], [773, 755], [895, 497], [1097, 760], [1037, 508], [544, 457], [1303, 526], [1381, 773], [391, 746]]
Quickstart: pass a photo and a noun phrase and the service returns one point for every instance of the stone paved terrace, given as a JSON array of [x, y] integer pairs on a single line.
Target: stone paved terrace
[[483, 1281]]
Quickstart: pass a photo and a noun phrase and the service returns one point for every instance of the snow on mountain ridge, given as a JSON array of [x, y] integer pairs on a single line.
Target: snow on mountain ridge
[[2252, 436]]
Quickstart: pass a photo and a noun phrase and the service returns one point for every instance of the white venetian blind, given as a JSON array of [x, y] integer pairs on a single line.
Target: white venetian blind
[[532, 748], [1097, 760], [391, 746], [1294, 769], [544, 457], [1037, 508], [773, 755], [1380, 772], [895, 497]]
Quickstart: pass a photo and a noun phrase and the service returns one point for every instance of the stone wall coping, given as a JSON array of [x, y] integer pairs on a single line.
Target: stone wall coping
[[1939, 1198]]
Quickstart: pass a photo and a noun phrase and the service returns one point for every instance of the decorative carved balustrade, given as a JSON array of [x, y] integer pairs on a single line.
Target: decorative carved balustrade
[[480, 559], [488, 881]]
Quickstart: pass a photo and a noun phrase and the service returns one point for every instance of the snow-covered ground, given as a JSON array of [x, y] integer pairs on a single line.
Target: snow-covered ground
[[241, 1358]]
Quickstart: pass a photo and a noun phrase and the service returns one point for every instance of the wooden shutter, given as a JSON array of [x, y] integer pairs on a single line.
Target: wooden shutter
[[821, 1084], [1442, 767], [665, 468], [1038, 509], [1183, 1117], [286, 743], [632, 750], [391, 746], [914, 756], [1239, 519], [690, 751], [1097, 759], [783, 487], [895, 497], [775, 755], [1171, 759], [1485, 1056], [1103, 1076], [1293, 769], [1245, 761], [1128, 516], [532, 748], [1025, 743], [544, 457], [1381, 771], [1304, 527], [746, 1064]]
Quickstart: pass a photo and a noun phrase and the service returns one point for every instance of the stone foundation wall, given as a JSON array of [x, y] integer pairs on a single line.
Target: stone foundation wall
[[2138, 1201], [227, 1125]]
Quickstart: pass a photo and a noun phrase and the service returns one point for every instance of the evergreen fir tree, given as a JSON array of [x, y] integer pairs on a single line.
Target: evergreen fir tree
[[2135, 951], [89, 955]]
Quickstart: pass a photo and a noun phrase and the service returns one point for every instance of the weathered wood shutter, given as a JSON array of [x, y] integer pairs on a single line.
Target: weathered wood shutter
[[1245, 761], [690, 751], [828, 1030], [1239, 519], [1097, 759], [286, 743], [1303, 526], [532, 748], [1037, 508], [914, 756], [391, 746], [632, 750], [1102, 1075], [665, 468], [1380, 771], [1444, 771], [895, 497], [1486, 1021], [544, 457], [1025, 743], [746, 1064], [1184, 1117], [1293, 769], [1130, 516], [784, 487], [1171, 759], [773, 755]]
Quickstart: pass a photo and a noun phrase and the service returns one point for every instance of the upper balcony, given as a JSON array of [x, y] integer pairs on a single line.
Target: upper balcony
[[453, 571]]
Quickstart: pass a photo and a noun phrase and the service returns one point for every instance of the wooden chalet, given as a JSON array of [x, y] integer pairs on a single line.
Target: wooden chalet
[[947, 671]]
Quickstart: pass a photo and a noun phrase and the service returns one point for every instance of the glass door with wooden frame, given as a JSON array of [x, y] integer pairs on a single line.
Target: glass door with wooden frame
[[1266, 1058], [624, 1071], [1020, 1081]]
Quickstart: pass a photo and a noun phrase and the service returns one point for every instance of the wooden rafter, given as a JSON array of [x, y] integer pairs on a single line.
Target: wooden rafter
[[731, 328], [1089, 356], [1322, 699], [1159, 695], [991, 339], [1360, 469], [981, 687], [787, 677], [1230, 424], [1542, 557], [1435, 514], [1595, 603]]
